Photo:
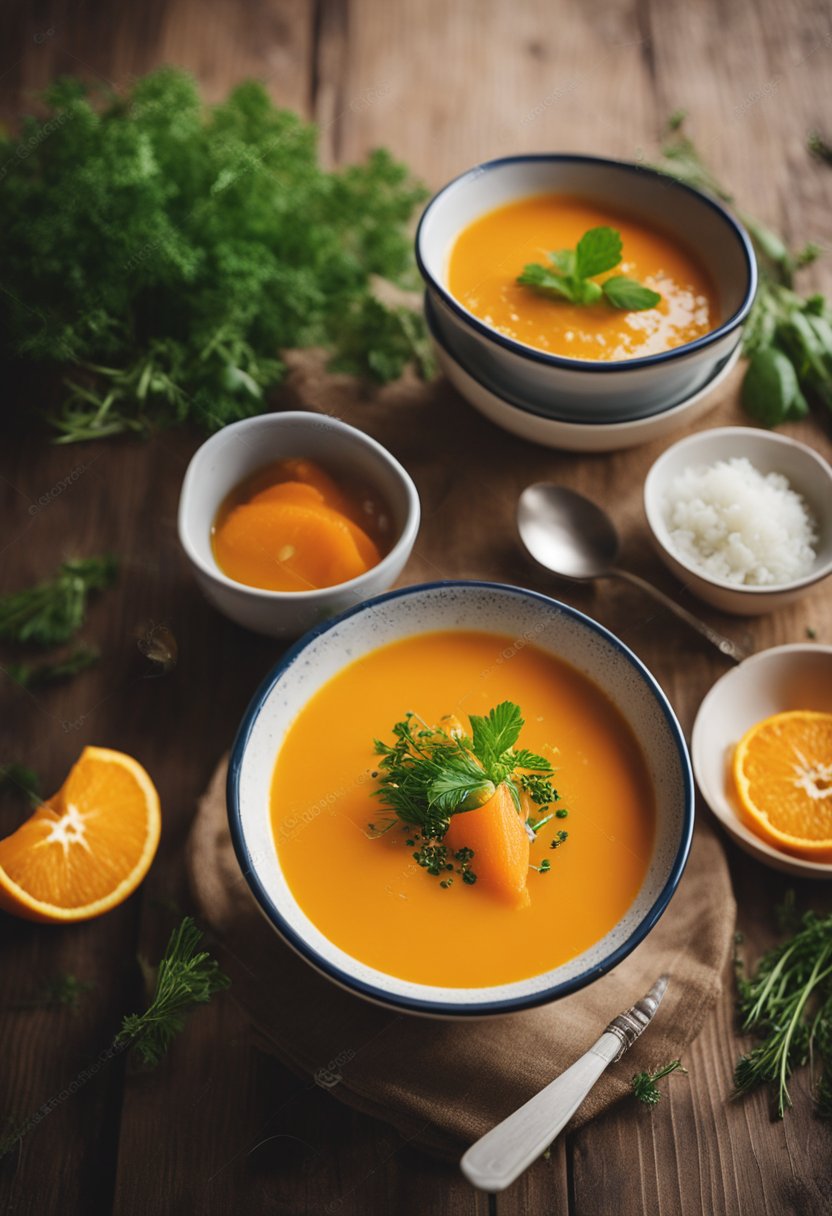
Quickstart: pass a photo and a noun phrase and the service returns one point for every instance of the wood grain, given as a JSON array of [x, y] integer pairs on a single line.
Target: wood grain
[[221, 1127]]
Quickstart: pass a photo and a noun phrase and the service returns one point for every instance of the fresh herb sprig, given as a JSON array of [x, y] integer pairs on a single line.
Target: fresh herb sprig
[[51, 612], [193, 245], [787, 1003], [572, 273], [788, 337], [36, 675], [644, 1083], [428, 775], [186, 977]]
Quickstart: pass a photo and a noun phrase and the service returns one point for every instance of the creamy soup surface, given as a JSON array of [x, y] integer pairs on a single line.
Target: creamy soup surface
[[491, 252], [368, 895]]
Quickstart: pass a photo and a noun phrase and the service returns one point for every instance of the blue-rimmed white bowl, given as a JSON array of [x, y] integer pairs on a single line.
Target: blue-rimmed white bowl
[[581, 390], [464, 606]]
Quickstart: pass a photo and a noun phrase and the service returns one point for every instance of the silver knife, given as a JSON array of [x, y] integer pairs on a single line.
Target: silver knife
[[502, 1154]]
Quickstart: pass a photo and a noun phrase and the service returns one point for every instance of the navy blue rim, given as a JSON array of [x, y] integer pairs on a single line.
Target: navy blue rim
[[587, 365], [440, 1008], [433, 330]]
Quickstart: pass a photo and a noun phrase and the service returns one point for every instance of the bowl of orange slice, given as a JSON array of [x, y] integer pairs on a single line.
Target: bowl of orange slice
[[762, 756], [85, 849]]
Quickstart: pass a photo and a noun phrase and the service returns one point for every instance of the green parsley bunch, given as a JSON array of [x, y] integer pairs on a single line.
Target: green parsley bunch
[[163, 253]]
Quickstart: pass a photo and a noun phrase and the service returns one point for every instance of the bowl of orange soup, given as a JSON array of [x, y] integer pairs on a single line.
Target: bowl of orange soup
[[461, 799], [288, 519], [587, 289]]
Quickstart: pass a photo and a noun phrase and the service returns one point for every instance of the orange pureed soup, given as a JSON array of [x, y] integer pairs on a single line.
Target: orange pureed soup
[[489, 254], [368, 895]]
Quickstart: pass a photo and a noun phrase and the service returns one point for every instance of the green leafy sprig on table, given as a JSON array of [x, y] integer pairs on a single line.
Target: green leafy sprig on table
[[645, 1085], [788, 337], [787, 1003], [36, 675], [163, 253], [572, 273], [51, 612], [428, 775], [185, 978]]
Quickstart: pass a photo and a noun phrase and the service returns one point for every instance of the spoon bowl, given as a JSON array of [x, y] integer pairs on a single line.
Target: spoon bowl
[[572, 537]]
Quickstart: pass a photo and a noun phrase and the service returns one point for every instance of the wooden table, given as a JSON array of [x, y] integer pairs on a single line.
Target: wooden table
[[221, 1127]]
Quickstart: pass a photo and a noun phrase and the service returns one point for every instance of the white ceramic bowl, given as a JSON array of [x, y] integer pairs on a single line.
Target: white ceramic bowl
[[576, 436], [772, 682], [490, 607], [238, 450], [576, 389], [808, 474]]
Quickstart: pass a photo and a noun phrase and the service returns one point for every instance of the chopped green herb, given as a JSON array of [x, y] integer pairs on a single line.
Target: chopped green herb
[[51, 612], [787, 1003], [544, 867], [644, 1083], [427, 775], [558, 840], [36, 675], [820, 148], [562, 813], [186, 977], [572, 272]]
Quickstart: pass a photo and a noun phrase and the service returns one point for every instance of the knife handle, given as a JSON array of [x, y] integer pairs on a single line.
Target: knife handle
[[502, 1154]]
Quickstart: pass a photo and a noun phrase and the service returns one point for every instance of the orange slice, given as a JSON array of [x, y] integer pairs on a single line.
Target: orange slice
[[86, 848], [783, 776], [498, 837]]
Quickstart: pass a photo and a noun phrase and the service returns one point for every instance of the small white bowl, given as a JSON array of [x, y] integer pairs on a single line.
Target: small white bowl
[[242, 448], [576, 436], [808, 475], [493, 608], [771, 682], [603, 391]]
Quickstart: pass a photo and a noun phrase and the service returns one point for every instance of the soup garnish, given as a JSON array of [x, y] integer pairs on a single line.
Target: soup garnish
[[573, 272], [470, 797]]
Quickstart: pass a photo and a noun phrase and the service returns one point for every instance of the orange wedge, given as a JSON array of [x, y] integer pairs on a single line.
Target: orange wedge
[[498, 837], [86, 848], [783, 776]]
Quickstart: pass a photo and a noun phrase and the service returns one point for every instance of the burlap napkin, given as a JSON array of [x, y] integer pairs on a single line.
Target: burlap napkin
[[442, 1084]]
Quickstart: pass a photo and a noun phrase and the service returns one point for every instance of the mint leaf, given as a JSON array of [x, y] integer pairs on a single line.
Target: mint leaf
[[544, 280], [626, 293], [587, 292], [564, 259], [496, 733], [598, 250]]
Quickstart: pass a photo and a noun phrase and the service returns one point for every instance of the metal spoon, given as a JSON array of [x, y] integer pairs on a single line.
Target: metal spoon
[[572, 537]]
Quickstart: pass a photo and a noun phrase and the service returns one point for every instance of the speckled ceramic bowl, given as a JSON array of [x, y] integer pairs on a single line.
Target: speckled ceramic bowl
[[494, 608]]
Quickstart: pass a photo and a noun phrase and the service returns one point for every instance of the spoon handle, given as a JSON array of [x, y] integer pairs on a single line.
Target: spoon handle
[[502, 1154], [724, 645]]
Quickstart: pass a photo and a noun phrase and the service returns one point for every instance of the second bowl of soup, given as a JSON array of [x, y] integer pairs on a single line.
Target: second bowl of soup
[[596, 289], [461, 799]]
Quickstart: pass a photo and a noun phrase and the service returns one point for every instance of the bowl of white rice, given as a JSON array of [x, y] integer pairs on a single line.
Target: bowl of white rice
[[742, 517]]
